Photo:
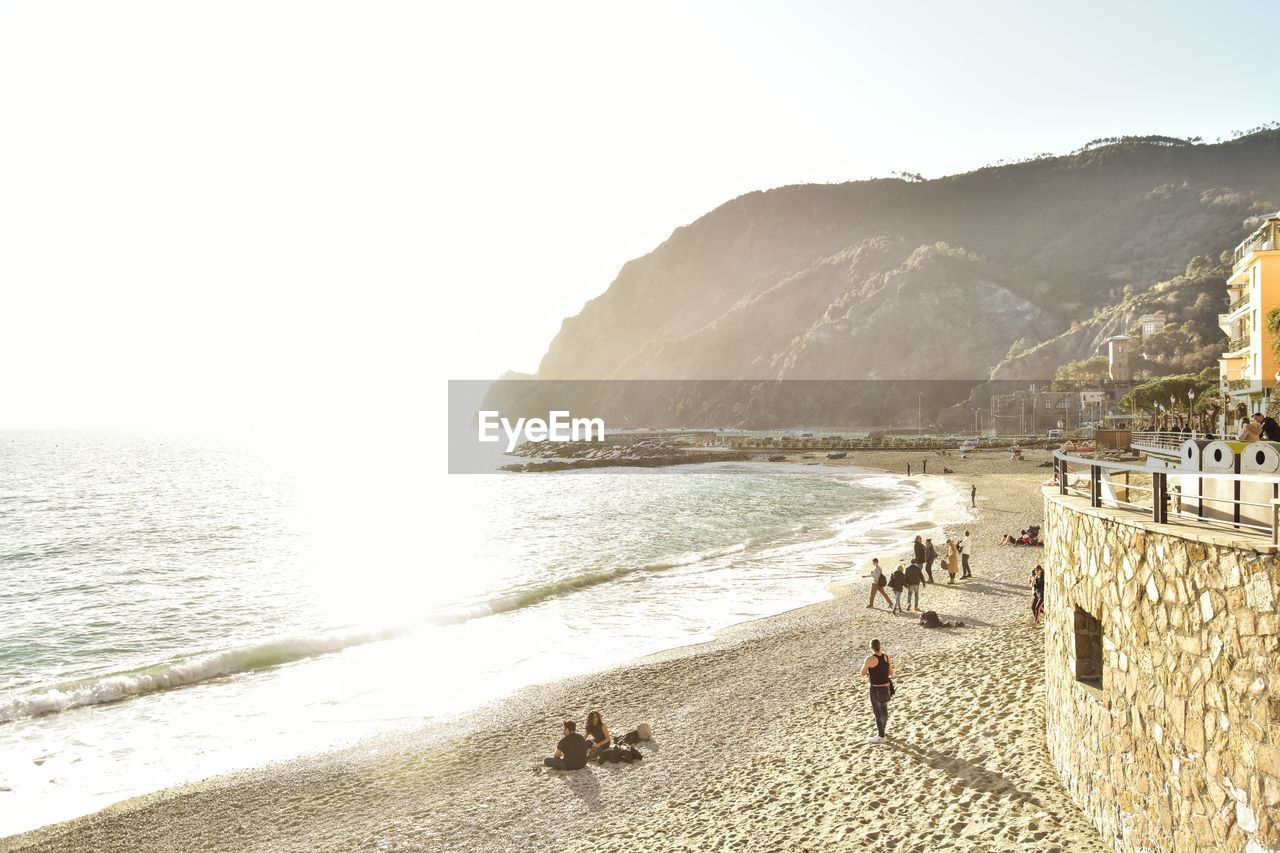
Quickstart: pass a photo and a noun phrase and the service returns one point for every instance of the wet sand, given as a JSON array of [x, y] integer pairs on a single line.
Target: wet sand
[[760, 739]]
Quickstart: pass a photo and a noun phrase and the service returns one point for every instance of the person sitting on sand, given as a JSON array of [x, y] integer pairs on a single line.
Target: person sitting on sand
[[1037, 594], [897, 581], [953, 561], [878, 581], [878, 668], [571, 751], [597, 732]]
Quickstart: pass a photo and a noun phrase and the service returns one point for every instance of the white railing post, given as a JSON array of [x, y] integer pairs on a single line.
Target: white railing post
[[1275, 521]]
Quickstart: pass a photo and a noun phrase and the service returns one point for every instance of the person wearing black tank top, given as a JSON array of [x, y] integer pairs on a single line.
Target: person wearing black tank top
[[878, 668]]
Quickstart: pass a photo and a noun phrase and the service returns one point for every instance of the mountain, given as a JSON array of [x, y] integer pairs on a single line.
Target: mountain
[[1004, 272]]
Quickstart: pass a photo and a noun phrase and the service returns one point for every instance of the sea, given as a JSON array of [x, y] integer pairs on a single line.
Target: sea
[[173, 608]]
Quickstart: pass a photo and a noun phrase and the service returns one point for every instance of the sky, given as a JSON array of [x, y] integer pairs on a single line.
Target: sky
[[241, 215]]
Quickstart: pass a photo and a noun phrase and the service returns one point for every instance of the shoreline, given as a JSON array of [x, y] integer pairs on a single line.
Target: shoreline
[[714, 704]]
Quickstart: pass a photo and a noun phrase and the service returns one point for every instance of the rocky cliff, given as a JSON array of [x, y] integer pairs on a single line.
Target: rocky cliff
[[1007, 270]]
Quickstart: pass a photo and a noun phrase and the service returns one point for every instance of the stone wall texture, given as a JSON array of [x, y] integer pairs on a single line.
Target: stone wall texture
[[1179, 747]]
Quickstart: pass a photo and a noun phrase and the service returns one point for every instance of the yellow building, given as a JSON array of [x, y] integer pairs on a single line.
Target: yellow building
[[1247, 370]]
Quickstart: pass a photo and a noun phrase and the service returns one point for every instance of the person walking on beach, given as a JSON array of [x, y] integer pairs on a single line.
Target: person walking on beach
[[571, 751], [966, 548], [1037, 594], [878, 581], [915, 578], [878, 669], [973, 495], [897, 581], [953, 560], [930, 554]]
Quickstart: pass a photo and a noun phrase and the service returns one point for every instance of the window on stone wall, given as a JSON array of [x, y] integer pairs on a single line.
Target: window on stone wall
[[1088, 649]]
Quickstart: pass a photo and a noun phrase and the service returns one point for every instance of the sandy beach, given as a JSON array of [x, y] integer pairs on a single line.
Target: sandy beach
[[760, 738]]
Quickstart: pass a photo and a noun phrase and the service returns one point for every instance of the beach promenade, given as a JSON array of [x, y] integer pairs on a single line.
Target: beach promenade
[[760, 738]]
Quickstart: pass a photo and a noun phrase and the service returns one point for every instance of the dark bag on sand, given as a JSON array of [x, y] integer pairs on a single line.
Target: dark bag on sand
[[632, 736], [929, 619], [614, 754]]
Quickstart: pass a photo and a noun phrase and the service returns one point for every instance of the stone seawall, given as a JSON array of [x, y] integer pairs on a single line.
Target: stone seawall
[[1163, 680]]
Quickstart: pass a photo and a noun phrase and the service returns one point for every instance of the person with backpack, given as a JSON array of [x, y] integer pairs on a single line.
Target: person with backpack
[[915, 579], [896, 582], [878, 582], [930, 554], [878, 669]]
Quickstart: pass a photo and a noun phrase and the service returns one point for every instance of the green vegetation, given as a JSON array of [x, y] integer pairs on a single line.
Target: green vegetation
[[1088, 370], [1171, 393]]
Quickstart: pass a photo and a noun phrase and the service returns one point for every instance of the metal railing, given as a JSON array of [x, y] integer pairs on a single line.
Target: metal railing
[[1238, 344], [1148, 492], [1262, 240], [1161, 442], [1237, 305]]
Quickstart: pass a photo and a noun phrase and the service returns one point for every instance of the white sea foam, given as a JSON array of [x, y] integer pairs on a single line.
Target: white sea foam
[[183, 672]]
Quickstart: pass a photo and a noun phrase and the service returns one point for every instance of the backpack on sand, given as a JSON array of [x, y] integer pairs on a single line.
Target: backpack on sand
[[614, 754]]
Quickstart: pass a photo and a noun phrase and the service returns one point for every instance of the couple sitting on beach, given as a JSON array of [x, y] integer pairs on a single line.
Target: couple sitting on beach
[[1030, 536], [573, 751]]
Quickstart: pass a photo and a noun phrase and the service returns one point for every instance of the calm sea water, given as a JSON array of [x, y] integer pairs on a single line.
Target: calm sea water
[[171, 609]]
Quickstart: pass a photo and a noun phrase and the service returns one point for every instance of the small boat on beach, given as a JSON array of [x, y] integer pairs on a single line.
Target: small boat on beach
[[778, 457], [837, 455]]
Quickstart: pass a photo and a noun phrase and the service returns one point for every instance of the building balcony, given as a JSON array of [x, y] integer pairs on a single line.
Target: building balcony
[[1230, 323], [1262, 240], [1237, 346]]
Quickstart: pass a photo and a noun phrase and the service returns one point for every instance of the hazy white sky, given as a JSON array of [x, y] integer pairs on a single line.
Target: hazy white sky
[[247, 213]]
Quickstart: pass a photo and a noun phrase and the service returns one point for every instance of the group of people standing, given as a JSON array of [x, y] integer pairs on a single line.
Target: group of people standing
[[910, 577], [878, 668]]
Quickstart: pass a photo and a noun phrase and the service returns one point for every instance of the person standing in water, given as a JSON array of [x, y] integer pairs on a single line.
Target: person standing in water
[[878, 668], [973, 495]]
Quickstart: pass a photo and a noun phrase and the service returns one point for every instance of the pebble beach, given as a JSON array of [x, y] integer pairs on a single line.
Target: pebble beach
[[760, 737]]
